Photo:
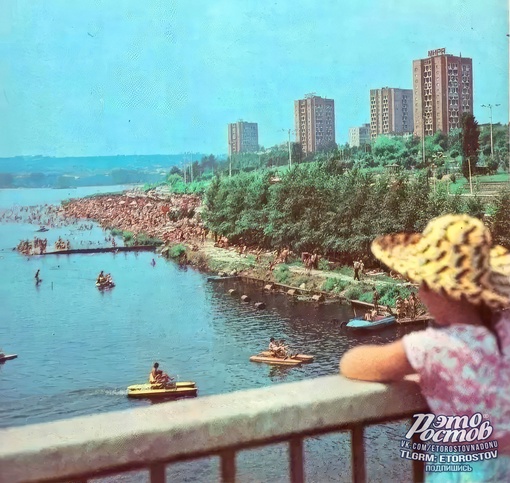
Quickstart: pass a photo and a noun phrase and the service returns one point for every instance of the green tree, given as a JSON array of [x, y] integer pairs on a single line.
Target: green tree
[[470, 143], [388, 150], [175, 170], [501, 219]]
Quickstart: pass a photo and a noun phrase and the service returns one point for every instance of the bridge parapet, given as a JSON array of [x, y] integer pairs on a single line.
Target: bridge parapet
[[87, 447]]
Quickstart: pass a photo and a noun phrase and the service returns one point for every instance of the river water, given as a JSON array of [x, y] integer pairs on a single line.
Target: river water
[[79, 348]]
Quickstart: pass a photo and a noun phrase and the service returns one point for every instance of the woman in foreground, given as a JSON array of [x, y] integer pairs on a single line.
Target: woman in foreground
[[464, 364]]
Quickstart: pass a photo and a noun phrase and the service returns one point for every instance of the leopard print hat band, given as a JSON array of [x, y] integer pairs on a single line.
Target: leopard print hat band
[[454, 255]]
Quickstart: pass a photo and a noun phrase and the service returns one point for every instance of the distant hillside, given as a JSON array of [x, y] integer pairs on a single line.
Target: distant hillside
[[43, 171], [92, 164]]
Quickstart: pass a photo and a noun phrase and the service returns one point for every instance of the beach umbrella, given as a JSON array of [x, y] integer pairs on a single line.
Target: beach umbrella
[[149, 205], [133, 203], [122, 202], [109, 199]]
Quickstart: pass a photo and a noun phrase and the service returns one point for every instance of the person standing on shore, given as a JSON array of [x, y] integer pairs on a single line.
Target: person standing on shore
[[399, 305], [412, 303], [356, 267], [405, 311], [375, 299], [464, 364]]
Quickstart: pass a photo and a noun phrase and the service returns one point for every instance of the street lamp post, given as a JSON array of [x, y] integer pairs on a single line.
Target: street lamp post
[[288, 145], [231, 143], [290, 153], [423, 140], [490, 106]]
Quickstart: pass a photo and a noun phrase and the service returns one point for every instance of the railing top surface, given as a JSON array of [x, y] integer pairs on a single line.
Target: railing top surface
[[164, 432]]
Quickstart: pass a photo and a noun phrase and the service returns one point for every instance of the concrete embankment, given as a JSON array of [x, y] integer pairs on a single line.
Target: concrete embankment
[[292, 278]]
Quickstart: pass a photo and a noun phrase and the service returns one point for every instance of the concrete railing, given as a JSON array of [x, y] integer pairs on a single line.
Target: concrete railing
[[152, 437]]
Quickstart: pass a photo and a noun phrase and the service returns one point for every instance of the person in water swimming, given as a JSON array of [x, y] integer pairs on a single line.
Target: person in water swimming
[[37, 279], [157, 376]]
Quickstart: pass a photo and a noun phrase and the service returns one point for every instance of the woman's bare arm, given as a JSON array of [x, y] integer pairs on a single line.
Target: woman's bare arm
[[376, 362]]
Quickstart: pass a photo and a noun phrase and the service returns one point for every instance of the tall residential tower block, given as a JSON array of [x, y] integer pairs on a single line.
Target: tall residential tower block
[[243, 137], [442, 92], [390, 111], [314, 118]]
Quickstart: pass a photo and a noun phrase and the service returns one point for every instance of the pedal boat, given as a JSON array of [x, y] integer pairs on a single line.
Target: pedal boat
[[300, 357], [276, 361], [179, 389], [105, 285]]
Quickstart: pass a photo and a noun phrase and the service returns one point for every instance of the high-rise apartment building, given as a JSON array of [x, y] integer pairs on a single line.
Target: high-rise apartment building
[[243, 137], [442, 92], [359, 136], [314, 118], [391, 111]]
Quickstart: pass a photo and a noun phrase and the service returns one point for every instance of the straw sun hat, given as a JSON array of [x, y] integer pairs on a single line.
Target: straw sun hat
[[454, 256]]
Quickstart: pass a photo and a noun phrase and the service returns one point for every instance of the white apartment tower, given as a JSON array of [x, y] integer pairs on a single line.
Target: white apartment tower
[[391, 111], [243, 137]]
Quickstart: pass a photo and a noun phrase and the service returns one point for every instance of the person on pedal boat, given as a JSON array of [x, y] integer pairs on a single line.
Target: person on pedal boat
[[273, 346], [283, 350], [157, 376], [101, 277]]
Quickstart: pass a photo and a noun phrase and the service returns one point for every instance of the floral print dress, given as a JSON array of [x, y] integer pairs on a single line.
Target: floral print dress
[[463, 372]]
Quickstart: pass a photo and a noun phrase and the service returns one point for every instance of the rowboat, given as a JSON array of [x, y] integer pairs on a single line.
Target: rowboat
[[300, 357], [179, 389], [360, 324], [7, 357], [277, 361]]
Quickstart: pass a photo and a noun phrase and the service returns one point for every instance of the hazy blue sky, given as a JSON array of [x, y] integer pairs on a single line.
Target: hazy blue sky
[[92, 77]]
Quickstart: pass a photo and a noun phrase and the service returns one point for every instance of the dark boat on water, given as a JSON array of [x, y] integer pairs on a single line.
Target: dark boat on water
[[7, 357], [105, 285]]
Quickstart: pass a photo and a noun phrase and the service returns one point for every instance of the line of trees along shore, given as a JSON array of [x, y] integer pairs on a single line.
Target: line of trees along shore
[[321, 207]]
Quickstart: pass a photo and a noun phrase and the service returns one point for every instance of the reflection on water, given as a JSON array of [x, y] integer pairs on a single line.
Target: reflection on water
[[79, 348]]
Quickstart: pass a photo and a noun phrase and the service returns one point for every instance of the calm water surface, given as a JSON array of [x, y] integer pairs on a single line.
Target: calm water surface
[[80, 348]]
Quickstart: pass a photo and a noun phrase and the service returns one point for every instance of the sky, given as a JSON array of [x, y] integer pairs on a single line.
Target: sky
[[103, 77]]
